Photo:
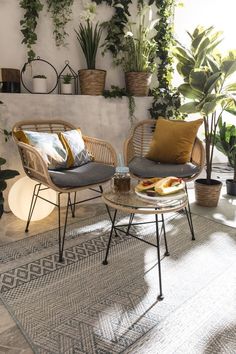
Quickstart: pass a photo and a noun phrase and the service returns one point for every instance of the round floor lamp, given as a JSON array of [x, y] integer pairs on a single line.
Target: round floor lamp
[[19, 199]]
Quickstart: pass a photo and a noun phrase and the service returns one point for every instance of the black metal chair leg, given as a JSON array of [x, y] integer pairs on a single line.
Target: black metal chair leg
[[62, 233], [189, 216], [108, 210], [190, 223], [160, 296], [164, 233], [32, 205], [72, 206], [131, 218], [109, 241]]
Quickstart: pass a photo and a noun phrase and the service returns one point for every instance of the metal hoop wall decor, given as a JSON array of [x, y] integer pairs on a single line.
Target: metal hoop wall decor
[[44, 61]]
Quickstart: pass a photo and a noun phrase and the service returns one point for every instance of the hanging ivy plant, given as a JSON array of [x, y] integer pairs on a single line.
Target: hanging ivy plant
[[116, 25], [29, 23], [166, 101], [61, 12]]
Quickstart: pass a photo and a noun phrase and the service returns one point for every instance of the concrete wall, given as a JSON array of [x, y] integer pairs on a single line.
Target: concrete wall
[[107, 119]]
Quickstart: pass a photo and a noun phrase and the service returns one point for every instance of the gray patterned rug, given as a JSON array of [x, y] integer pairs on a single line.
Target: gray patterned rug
[[81, 306]]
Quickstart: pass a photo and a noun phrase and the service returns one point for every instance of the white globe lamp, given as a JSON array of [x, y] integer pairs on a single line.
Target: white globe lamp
[[20, 196]]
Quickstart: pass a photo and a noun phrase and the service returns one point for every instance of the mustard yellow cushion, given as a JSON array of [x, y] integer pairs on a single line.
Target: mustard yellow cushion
[[173, 141]]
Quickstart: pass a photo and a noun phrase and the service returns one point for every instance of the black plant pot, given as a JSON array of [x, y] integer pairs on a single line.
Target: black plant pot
[[231, 187]]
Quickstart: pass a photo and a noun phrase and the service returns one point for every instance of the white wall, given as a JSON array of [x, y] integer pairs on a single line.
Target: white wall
[[207, 13], [14, 54]]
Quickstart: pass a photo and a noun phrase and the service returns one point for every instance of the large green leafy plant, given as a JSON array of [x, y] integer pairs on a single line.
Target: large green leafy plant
[[225, 141], [207, 83]]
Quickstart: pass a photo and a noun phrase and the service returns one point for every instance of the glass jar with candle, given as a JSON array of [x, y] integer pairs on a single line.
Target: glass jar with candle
[[121, 180]]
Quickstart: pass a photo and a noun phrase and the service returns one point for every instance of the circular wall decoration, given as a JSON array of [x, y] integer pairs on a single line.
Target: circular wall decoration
[[40, 85]]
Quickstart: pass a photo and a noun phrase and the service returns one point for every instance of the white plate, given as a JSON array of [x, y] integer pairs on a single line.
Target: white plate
[[178, 195]]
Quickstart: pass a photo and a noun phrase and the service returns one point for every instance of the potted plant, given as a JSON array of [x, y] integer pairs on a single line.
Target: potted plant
[[138, 54], [39, 84], [92, 80], [225, 141], [66, 85], [206, 75], [4, 174]]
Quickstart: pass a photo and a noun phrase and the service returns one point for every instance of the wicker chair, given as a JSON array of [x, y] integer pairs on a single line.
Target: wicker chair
[[36, 168], [137, 146]]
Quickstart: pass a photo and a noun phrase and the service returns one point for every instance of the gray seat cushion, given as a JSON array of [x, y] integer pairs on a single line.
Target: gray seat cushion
[[145, 168], [85, 175]]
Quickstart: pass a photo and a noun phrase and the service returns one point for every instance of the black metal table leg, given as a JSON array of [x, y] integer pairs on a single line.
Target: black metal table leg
[[164, 233], [131, 218], [189, 215], [109, 241], [160, 296]]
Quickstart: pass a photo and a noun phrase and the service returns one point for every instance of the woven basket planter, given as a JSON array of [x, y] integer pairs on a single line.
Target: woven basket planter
[[92, 82], [137, 83], [207, 194]]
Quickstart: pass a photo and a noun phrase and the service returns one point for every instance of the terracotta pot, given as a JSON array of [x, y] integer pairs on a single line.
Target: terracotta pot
[[92, 82], [207, 194], [231, 187], [137, 83]]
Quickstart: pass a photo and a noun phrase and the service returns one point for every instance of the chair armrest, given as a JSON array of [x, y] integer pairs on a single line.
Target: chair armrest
[[34, 165], [198, 153], [128, 150], [101, 150]]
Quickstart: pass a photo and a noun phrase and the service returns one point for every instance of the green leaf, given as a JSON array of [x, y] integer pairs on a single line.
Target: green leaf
[[8, 174], [3, 185], [209, 107], [198, 79], [187, 91], [211, 82], [190, 107], [2, 161], [228, 67], [231, 87]]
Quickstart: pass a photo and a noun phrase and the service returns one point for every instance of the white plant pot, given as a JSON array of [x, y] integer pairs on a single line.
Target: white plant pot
[[66, 89], [39, 85]]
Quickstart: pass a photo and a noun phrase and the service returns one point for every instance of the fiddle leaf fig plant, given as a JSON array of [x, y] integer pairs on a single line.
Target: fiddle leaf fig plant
[[207, 86]]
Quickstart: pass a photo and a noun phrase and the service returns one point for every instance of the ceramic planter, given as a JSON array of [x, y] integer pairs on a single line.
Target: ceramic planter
[[66, 89], [231, 187], [39, 85], [207, 195]]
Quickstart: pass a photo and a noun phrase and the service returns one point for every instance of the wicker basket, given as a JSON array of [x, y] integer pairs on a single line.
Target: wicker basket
[[92, 82], [137, 83], [207, 195]]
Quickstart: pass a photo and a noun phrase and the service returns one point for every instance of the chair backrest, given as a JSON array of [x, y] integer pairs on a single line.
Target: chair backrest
[[47, 126], [142, 134]]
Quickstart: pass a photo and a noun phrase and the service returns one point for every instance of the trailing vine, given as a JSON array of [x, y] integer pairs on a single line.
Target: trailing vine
[[116, 25], [29, 23], [117, 92], [61, 11], [166, 101]]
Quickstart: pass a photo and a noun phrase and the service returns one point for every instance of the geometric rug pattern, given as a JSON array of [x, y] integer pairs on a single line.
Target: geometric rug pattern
[[82, 306]]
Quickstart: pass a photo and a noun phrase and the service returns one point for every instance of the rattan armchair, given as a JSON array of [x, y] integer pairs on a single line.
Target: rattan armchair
[[137, 146], [36, 168]]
